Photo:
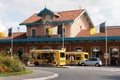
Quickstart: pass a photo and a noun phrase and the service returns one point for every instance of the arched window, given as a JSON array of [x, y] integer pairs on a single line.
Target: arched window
[[47, 47], [114, 55], [33, 48], [77, 49]]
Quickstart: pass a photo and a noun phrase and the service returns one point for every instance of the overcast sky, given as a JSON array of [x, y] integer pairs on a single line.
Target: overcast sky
[[13, 12]]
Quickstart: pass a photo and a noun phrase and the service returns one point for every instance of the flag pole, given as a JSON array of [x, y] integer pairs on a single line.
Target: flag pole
[[63, 36], [12, 45], [106, 43]]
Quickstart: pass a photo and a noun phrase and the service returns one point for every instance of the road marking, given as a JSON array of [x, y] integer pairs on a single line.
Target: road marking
[[45, 78]]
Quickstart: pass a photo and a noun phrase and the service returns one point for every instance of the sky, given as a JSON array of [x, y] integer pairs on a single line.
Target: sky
[[13, 12]]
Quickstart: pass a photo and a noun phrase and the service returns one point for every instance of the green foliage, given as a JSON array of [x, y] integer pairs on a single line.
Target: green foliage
[[16, 73], [26, 57], [12, 64]]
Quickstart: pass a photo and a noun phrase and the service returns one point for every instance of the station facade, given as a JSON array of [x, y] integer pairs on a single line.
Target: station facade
[[66, 29]]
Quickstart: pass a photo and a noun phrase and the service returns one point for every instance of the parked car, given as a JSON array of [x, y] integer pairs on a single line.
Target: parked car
[[91, 61]]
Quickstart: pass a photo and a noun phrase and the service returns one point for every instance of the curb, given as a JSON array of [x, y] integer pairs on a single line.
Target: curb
[[45, 78]]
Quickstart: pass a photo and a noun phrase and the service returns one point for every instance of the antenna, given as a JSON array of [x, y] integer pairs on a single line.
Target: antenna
[[18, 28], [79, 6]]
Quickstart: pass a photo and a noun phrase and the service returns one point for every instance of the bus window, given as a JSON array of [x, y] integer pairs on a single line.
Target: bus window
[[38, 56], [62, 55], [78, 56], [44, 56], [67, 56], [86, 56]]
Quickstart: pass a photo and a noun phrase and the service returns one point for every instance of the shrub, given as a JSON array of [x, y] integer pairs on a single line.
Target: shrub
[[8, 64], [26, 57]]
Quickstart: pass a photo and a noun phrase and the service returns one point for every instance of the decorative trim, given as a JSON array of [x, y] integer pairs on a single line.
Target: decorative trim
[[53, 22], [30, 24], [61, 22]]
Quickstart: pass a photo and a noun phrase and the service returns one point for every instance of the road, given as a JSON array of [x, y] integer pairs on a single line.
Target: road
[[83, 73]]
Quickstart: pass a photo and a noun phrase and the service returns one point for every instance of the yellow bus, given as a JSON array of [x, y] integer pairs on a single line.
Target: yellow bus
[[75, 57], [48, 57]]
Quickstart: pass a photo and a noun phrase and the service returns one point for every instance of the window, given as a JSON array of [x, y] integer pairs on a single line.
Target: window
[[94, 59], [46, 31], [47, 47], [78, 49], [78, 56], [67, 56], [86, 56], [61, 30], [33, 48], [48, 18], [38, 56], [62, 55], [34, 32]]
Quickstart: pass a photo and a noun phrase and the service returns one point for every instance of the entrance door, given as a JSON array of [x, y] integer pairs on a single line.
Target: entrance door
[[113, 55], [95, 52]]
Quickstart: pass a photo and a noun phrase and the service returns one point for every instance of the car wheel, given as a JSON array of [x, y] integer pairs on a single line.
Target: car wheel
[[36, 64], [79, 64], [97, 65], [82, 64]]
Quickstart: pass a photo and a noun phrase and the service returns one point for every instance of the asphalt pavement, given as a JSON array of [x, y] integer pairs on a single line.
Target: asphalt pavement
[[45, 75]]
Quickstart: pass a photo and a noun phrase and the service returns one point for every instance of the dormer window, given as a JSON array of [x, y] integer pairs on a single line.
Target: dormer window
[[34, 32]]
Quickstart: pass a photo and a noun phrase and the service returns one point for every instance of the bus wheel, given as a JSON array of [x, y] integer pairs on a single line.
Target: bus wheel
[[36, 64]]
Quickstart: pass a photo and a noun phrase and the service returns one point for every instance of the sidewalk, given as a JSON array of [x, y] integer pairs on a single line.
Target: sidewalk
[[36, 75], [102, 68]]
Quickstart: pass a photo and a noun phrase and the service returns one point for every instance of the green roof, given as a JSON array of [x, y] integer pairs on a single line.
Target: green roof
[[45, 10], [60, 39]]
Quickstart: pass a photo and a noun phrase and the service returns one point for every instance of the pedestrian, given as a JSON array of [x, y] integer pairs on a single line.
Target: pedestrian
[[71, 59]]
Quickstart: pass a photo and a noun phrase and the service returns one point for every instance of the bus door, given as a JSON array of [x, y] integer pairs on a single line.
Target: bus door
[[67, 59], [33, 57], [44, 57], [39, 57], [47, 58], [77, 58], [62, 59], [72, 58]]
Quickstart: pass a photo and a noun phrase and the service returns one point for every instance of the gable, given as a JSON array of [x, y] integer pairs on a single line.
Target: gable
[[45, 10]]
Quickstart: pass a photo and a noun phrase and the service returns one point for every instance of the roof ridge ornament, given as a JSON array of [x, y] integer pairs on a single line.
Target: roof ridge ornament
[[45, 10]]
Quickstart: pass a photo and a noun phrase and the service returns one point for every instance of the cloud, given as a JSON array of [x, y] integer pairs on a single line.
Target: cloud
[[1, 8], [15, 26], [2, 27], [13, 12]]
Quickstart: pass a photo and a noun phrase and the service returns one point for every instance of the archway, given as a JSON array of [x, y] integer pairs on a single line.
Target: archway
[[113, 55]]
